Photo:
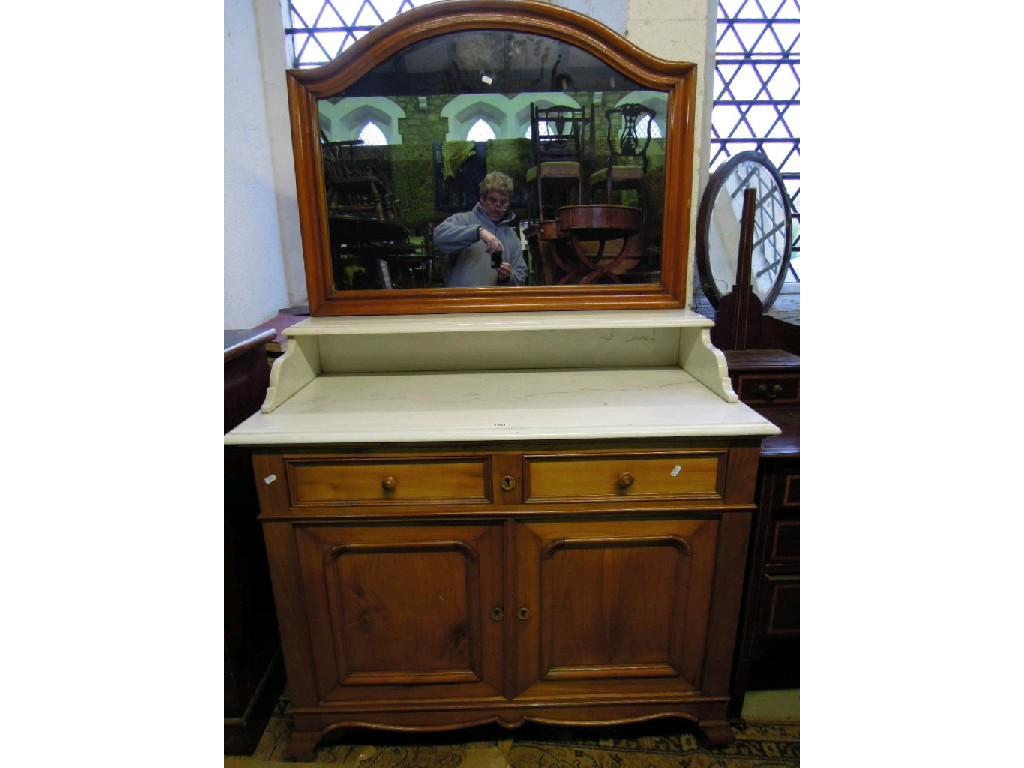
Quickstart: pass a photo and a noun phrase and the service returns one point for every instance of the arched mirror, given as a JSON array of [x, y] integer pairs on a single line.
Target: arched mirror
[[395, 138], [718, 228]]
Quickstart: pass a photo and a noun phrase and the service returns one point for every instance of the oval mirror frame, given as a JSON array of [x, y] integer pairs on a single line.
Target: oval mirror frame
[[676, 79], [715, 183]]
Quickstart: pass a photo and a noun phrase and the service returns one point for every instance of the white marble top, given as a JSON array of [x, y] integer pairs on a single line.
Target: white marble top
[[501, 405], [500, 321]]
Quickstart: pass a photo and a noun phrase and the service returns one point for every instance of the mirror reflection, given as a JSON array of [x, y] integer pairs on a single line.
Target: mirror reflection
[[772, 229], [493, 159]]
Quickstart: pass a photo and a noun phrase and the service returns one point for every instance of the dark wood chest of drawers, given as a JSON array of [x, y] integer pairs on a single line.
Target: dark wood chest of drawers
[[768, 646]]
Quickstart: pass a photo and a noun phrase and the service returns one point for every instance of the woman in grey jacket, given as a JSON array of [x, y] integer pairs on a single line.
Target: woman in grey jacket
[[482, 244]]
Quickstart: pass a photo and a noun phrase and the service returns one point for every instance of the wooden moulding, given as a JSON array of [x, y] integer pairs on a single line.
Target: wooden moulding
[[676, 79]]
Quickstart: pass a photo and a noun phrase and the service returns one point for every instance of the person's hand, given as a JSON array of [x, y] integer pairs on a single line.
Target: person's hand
[[491, 243], [504, 272]]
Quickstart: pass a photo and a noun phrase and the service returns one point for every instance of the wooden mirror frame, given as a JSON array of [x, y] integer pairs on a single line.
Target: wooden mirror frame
[[676, 79]]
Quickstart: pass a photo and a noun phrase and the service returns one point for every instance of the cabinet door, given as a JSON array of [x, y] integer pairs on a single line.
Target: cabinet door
[[403, 609], [615, 606]]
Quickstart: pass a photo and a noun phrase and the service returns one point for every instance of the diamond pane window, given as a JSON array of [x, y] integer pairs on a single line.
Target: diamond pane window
[[319, 30], [641, 127], [757, 91]]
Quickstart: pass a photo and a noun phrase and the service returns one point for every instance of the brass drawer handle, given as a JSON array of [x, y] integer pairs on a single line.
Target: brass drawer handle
[[497, 614], [523, 614], [508, 483], [625, 480], [389, 483], [772, 393]]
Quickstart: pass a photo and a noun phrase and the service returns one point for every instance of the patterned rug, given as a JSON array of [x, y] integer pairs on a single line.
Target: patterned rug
[[661, 744]]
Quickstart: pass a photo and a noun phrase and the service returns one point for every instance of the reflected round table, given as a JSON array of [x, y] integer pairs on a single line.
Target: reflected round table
[[601, 224]]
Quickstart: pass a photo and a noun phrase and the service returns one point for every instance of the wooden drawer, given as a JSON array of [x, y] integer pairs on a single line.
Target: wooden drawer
[[579, 477], [781, 606], [787, 491], [763, 388], [442, 480], [783, 542]]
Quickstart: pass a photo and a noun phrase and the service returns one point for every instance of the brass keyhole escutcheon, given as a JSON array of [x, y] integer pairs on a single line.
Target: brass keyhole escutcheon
[[497, 614], [508, 483], [389, 483], [625, 480], [523, 613]]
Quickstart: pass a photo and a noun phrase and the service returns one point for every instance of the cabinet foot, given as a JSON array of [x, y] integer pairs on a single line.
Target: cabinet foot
[[302, 745], [717, 733]]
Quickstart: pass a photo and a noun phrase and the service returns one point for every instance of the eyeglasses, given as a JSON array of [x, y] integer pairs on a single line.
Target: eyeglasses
[[497, 202]]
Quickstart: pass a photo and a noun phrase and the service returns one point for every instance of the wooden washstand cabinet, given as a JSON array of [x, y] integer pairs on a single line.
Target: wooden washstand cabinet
[[551, 528], [500, 505]]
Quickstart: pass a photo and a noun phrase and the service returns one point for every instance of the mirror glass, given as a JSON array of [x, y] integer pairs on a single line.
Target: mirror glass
[[408, 144], [719, 228]]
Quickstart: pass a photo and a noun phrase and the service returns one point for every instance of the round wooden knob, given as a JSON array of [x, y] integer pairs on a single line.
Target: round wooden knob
[[389, 483], [626, 480]]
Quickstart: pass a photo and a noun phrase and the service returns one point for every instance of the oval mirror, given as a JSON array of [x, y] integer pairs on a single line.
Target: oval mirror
[[718, 228]]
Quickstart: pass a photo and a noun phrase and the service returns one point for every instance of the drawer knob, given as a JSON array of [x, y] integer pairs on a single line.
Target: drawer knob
[[389, 483], [770, 393], [508, 483], [497, 614], [523, 613], [625, 480]]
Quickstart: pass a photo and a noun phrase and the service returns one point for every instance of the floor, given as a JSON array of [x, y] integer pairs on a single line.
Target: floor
[[768, 737]]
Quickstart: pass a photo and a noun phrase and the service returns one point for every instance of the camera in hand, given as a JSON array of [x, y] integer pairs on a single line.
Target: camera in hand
[[496, 259]]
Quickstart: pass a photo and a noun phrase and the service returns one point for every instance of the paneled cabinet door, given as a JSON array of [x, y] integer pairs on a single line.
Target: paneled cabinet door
[[616, 607], [403, 610]]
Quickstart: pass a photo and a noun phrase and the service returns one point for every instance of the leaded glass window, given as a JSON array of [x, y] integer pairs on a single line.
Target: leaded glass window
[[318, 30], [757, 91]]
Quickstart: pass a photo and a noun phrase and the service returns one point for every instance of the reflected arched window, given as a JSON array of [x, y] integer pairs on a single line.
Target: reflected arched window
[[481, 131], [371, 134], [641, 127], [543, 126]]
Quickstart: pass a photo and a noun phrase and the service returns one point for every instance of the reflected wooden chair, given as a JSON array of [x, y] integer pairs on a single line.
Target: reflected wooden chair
[[351, 189], [627, 152], [558, 137]]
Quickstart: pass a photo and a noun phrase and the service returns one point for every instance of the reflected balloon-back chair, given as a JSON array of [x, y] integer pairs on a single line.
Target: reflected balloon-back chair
[[558, 138], [627, 151]]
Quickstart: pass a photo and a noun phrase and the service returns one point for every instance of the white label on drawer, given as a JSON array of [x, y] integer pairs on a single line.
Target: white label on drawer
[[676, 470], [269, 479]]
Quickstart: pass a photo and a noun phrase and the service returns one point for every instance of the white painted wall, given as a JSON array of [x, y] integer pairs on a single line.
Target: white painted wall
[[263, 269], [262, 249]]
